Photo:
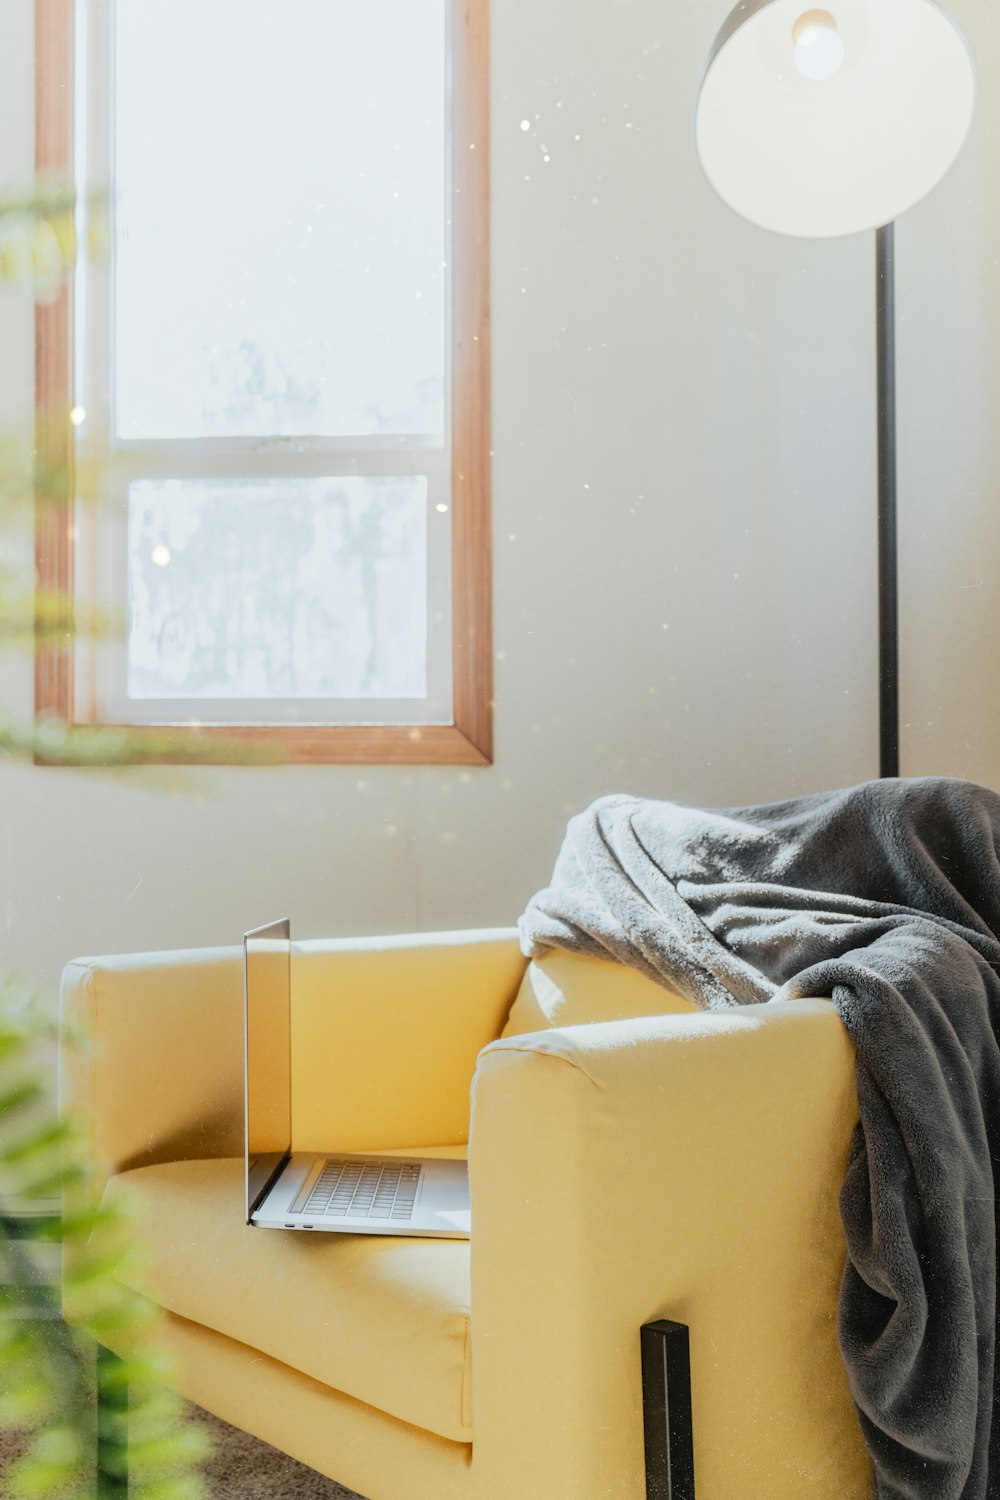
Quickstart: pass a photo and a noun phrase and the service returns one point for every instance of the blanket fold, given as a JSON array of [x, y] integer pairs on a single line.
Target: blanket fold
[[885, 897]]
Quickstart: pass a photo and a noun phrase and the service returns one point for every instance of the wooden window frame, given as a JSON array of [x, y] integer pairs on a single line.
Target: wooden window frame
[[468, 739]]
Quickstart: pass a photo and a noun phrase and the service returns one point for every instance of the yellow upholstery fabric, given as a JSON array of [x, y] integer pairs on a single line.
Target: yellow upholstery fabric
[[364, 1449], [683, 1167], [381, 1318], [385, 1035], [573, 989], [672, 1165], [148, 1090], [423, 1007]]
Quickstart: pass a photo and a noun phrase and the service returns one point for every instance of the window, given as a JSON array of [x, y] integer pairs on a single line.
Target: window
[[279, 371]]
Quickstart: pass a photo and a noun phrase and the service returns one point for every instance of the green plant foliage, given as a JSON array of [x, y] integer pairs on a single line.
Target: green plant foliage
[[64, 1402], [38, 238], [48, 1384]]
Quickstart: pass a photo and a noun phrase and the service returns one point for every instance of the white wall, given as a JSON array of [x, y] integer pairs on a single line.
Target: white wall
[[948, 270], [684, 525]]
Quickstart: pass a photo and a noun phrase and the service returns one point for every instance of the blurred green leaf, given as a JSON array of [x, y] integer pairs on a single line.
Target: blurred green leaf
[[180, 1487], [51, 1133], [27, 1091], [47, 1365]]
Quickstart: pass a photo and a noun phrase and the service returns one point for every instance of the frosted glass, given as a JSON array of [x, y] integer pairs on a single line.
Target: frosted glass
[[278, 588], [280, 174]]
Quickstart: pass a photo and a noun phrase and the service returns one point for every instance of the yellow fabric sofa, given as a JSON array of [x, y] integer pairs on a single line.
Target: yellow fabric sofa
[[631, 1159]]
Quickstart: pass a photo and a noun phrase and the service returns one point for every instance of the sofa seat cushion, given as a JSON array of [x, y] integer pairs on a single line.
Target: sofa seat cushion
[[381, 1318]]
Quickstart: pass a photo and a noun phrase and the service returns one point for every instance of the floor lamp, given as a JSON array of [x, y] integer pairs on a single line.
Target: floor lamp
[[820, 123]]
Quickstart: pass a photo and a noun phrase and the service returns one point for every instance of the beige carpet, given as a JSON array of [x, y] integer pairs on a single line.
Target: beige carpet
[[240, 1468]]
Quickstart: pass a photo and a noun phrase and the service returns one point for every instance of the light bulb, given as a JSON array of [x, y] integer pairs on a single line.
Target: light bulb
[[819, 52]]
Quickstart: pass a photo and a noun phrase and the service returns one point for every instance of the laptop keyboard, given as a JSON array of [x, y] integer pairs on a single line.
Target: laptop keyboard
[[364, 1190]]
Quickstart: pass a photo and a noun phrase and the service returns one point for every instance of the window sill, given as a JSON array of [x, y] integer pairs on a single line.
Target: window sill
[[234, 745]]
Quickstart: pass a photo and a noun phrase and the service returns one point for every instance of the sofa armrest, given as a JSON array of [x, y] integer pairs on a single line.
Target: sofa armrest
[[152, 1054], [683, 1167]]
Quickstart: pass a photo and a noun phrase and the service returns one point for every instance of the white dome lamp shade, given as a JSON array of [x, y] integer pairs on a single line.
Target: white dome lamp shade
[[824, 122]]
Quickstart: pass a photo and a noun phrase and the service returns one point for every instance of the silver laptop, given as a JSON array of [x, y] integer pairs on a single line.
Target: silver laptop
[[337, 1191]]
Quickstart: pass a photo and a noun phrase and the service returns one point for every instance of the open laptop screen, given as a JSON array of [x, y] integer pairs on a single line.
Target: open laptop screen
[[267, 1031]]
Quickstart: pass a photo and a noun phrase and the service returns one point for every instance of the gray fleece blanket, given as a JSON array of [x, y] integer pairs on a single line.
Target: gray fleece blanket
[[887, 898]]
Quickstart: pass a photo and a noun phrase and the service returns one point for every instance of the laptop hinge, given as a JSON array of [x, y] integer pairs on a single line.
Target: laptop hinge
[[264, 1173]]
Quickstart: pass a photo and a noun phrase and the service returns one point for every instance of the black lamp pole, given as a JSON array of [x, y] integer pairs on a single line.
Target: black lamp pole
[[888, 604]]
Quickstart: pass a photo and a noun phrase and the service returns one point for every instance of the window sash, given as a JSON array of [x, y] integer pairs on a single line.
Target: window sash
[[102, 582], [101, 666]]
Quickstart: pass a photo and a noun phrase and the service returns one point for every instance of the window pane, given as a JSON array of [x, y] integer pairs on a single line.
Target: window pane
[[278, 588], [280, 177]]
